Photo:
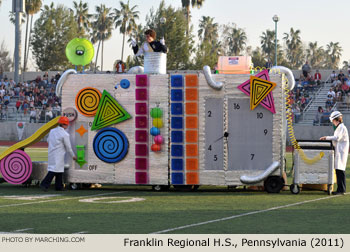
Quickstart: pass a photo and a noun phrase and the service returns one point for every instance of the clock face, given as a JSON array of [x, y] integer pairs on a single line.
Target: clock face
[[248, 135], [250, 139], [214, 134]]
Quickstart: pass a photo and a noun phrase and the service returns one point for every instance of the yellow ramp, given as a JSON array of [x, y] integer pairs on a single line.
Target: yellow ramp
[[39, 134]]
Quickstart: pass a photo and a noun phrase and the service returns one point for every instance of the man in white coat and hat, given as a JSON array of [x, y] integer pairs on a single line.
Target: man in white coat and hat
[[341, 143], [59, 144]]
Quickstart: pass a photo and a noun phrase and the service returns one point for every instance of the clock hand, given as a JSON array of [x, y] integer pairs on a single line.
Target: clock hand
[[226, 134]]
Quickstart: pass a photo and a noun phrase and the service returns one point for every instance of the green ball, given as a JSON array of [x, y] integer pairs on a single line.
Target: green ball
[[156, 113]]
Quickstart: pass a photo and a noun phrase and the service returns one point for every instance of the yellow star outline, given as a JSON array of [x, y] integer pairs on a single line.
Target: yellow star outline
[[81, 130]]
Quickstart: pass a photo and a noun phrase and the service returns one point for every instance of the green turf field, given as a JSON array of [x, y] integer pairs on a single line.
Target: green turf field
[[210, 210]]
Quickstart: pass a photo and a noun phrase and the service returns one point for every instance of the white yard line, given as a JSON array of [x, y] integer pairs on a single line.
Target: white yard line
[[82, 232], [72, 198], [19, 231], [22, 230], [244, 214]]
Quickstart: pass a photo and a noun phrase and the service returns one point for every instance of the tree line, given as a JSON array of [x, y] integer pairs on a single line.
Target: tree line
[[57, 25]]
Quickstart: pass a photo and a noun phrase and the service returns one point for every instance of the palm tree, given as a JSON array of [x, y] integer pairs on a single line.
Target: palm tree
[[101, 28], [187, 4], [125, 19], [12, 18], [334, 53], [294, 47], [136, 34], [315, 55], [82, 16], [208, 30], [267, 41], [32, 7], [237, 40]]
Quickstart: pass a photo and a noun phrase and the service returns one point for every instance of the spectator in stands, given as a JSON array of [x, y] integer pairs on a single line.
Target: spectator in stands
[[318, 116], [338, 94], [336, 82], [56, 109], [12, 83], [25, 107], [331, 92], [42, 114], [32, 115], [341, 75], [18, 104], [6, 100], [345, 88], [46, 77], [318, 77], [50, 101], [2, 91], [57, 76], [53, 80], [329, 101], [303, 102], [296, 112], [306, 69], [21, 94], [333, 76], [48, 114], [31, 100], [38, 79]]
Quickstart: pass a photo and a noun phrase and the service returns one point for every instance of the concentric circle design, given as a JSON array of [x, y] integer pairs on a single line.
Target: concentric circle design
[[87, 101], [110, 145], [125, 83], [16, 167]]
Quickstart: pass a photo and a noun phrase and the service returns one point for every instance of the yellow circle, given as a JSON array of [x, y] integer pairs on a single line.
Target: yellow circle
[[158, 123]]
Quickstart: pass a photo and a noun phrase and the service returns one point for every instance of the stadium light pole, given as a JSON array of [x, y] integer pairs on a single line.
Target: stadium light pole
[[275, 19], [163, 21], [18, 7]]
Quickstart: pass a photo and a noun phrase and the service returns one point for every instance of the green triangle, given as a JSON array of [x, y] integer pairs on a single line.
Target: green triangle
[[109, 112]]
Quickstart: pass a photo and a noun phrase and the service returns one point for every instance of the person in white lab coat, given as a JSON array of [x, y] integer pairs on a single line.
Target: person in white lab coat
[[59, 144], [341, 143]]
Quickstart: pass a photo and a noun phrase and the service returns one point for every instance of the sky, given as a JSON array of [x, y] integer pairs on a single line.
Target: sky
[[323, 21]]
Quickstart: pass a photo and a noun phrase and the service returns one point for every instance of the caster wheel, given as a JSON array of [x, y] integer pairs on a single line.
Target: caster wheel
[[294, 188], [74, 186], [160, 188]]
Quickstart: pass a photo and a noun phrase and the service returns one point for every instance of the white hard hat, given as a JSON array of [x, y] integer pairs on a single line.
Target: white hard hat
[[334, 114]]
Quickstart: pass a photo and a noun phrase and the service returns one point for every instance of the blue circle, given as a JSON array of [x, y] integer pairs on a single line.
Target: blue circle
[[154, 131], [124, 83], [110, 145]]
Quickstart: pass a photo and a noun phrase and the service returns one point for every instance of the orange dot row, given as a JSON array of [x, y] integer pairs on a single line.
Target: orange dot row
[[191, 124]]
